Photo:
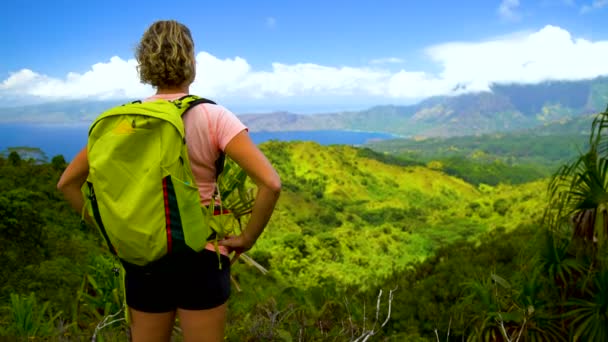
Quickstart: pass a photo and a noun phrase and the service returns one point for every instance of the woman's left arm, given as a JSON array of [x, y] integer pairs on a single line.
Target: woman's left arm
[[73, 178]]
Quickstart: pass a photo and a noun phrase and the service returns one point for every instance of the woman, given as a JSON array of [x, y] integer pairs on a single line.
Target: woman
[[190, 286]]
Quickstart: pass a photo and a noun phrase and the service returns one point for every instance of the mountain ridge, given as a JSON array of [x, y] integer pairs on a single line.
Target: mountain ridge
[[507, 107]]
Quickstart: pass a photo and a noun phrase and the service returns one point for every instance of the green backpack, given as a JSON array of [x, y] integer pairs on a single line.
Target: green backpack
[[140, 190]]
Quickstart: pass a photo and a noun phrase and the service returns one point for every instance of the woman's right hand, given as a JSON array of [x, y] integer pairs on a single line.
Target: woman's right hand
[[236, 243]]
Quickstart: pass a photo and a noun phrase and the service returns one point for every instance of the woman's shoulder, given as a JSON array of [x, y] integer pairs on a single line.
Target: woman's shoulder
[[214, 108], [216, 111]]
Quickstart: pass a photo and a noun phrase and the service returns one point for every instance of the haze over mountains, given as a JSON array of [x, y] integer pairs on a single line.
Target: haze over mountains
[[508, 107]]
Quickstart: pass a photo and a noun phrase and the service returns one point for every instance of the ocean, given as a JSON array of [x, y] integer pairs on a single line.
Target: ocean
[[67, 140]]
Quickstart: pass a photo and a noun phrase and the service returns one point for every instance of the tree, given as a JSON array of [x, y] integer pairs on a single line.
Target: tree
[[21, 231], [578, 205], [578, 192], [58, 162], [14, 158]]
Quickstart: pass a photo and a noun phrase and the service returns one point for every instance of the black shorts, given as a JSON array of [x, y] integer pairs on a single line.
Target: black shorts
[[191, 281]]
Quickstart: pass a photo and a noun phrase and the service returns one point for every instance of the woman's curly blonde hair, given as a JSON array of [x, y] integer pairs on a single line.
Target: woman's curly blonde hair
[[165, 55]]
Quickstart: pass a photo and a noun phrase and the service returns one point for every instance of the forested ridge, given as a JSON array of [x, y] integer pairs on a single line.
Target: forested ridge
[[452, 253]]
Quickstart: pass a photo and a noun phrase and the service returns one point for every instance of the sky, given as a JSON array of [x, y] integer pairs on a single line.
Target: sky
[[302, 56]]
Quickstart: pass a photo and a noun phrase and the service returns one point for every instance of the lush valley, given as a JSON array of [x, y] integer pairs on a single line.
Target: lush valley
[[412, 240]]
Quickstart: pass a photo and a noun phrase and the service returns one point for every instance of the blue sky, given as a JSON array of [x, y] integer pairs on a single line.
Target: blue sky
[[271, 55]]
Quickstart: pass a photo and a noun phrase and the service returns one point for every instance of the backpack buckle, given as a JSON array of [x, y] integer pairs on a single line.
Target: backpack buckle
[[177, 103]]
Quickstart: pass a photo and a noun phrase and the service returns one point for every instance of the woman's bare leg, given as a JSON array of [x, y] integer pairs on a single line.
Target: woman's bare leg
[[151, 327], [203, 325]]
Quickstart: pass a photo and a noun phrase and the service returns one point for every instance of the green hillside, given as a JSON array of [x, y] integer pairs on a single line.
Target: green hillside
[[345, 206]]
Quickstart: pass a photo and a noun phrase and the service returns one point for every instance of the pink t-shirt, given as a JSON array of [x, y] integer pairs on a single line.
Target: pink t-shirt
[[209, 128]]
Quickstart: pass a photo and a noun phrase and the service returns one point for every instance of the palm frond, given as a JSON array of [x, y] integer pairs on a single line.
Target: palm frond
[[598, 127], [235, 194], [578, 191]]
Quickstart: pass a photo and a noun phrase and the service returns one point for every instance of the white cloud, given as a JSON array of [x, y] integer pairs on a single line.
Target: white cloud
[[595, 5], [550, 53], [387, 60], [508, 10], [114, 79]]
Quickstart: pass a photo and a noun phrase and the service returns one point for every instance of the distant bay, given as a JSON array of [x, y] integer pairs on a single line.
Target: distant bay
[[67, 140]]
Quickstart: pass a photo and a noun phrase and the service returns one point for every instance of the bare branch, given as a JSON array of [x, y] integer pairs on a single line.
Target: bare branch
[[502, 328], [390, 303], [249, 261], [377, 309], [236, 284], [522, 329], [104, 323], [449, 328], [366, 334]]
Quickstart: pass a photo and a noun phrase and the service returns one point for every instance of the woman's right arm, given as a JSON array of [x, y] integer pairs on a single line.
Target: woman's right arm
[[246, 154]]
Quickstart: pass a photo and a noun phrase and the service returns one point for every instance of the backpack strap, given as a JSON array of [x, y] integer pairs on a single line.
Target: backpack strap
[[191, 101]]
